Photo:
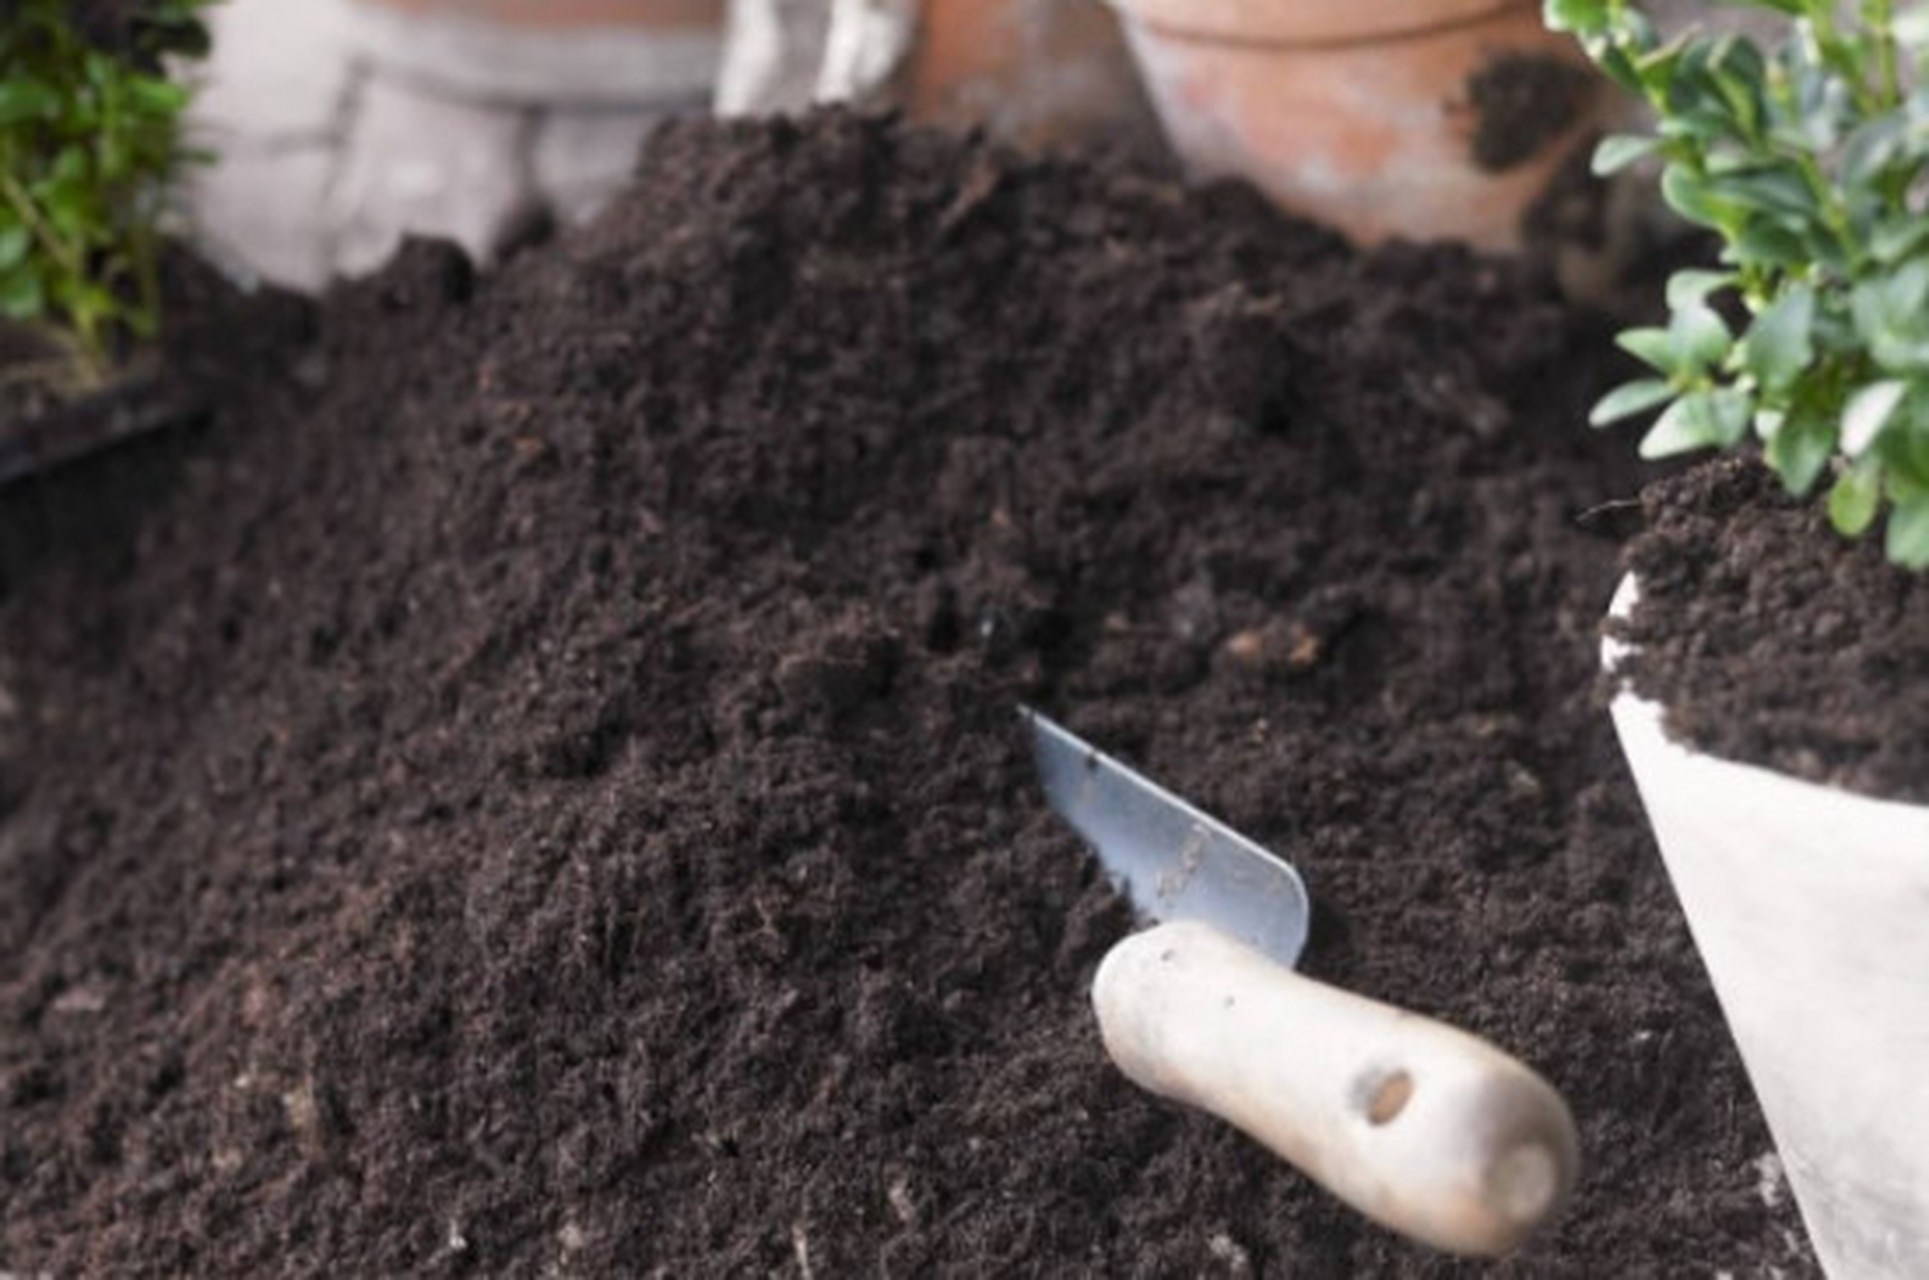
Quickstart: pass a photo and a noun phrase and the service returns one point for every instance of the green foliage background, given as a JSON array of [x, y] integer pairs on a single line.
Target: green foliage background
[[1811, 159], [89, 136]]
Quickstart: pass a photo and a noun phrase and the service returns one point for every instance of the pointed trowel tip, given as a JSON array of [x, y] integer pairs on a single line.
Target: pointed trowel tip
[[1172, 860]]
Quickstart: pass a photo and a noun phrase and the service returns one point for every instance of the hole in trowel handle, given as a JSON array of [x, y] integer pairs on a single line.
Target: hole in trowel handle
[[1384, 1095]]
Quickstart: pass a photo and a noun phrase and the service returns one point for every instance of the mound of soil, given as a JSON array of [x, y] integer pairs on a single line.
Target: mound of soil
[[548, 803], [1771, 640]]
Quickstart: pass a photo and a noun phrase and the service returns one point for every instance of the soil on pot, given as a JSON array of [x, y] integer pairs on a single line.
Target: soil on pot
[[1522, 103], [548, 802], [1771, 640]]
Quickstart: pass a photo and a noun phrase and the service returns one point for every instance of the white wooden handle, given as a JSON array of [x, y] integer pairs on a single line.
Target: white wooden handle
[[1423, 1128]]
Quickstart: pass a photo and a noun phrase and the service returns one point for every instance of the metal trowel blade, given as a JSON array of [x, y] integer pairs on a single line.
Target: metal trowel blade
[[1172, 861]]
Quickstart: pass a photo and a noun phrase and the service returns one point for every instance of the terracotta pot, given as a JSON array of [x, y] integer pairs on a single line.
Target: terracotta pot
[[594, 52], [1810, 907], [1425, 119], [1037, 72]]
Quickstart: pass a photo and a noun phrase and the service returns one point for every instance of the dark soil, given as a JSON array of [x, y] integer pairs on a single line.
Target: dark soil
[[1573, 208], [549, 803], [1522, 102], [1771, 640]]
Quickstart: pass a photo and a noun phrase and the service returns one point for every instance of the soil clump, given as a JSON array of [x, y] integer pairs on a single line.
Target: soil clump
[[1521, 102]]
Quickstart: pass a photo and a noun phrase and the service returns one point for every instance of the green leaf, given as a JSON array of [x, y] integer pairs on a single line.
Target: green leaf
[[1689, 195], [70, 210], [1581, 17], [1854, 500], [1764, 241], [1692, 286], [1617, 151], [1873, 147], [116, 159], [1897, 239], [1619, 67], [22, 296], [1629, 399], [89, 138], [69, 167], [1892, 316], [1652, 347], [1868, 411], [156, 95], [1777, 349], [1735, 73], [23, 99], [1700, 336], [1660, 63], [1698, 420], [1907, 542], [1799, 451], [15, 241], [1776, 189]]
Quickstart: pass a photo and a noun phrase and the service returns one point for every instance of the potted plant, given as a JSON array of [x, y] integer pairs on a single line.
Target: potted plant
[[90, 138], [1430, 119], [1801, 858]]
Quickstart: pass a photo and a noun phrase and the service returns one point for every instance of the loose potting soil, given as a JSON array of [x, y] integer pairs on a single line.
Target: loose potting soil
[[1771, 640], [538, 793]]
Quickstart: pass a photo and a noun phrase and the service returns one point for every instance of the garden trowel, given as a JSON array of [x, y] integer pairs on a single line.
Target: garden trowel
[[1423, 1128]]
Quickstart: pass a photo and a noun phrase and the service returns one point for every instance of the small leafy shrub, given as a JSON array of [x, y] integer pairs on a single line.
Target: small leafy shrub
[[89, 136], [1811, 160]]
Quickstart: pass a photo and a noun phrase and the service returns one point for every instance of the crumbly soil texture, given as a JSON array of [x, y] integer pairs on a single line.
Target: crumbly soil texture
[[1769, 639], [529, 785]]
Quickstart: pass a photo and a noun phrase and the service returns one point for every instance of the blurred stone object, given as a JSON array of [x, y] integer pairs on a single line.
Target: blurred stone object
[[785, 56], [338, 127], [270, 109], [1035, 72], [772, 53], [418, 162], [485, 116], [864, 46], [548, 52]]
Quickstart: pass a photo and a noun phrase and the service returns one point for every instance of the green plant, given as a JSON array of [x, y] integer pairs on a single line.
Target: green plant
[[89, 137], [1811, 160]]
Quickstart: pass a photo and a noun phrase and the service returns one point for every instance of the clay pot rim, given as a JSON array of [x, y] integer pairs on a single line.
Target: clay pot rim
[[1311, 25]]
